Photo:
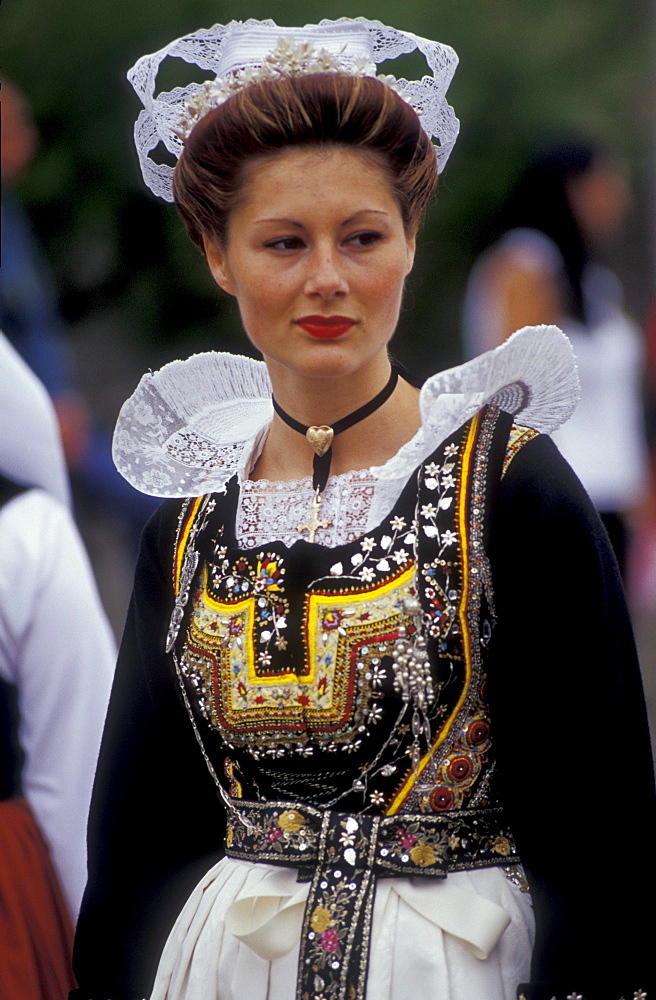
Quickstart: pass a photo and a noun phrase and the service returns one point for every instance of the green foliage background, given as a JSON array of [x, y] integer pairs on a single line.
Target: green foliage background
[[134, 290]]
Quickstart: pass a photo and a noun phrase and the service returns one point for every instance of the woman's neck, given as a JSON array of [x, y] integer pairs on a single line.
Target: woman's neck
[[287, 455]]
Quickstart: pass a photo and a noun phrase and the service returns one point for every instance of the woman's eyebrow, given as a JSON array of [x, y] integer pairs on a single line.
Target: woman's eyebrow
[[299, 225]]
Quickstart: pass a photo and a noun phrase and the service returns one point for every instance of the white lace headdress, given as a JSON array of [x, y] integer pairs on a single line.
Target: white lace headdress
[[241, 53]]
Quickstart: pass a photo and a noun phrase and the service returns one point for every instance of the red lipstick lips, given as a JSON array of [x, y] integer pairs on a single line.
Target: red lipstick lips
[[325, 327]]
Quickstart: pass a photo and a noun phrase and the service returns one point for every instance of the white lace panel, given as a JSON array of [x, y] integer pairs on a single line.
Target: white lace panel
[[353, 503]]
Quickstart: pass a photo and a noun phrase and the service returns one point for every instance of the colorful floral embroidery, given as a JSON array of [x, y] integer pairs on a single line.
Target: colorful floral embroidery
[[273, 691], [344, 854], [243, 685]]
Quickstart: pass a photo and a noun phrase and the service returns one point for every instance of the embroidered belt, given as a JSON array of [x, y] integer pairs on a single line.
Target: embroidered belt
[[343, 855]]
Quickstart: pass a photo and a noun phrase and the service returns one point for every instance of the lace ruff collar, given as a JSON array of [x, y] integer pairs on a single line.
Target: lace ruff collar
[[189, 427]]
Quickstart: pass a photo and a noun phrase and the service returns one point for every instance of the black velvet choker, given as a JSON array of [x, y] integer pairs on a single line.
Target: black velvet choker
[[321, 438]]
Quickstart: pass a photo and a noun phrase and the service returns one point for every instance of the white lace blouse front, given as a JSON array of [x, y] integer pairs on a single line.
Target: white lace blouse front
[[353, 503]]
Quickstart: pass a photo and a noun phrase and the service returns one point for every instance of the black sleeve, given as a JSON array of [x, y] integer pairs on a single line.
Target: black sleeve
[[156, 823], [571, 735]]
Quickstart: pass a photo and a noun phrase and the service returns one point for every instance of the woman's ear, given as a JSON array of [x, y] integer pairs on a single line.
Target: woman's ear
[[411, 243], [216, 260]]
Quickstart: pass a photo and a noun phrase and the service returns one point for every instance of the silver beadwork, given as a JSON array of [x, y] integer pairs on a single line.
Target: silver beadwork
[[412, 670]]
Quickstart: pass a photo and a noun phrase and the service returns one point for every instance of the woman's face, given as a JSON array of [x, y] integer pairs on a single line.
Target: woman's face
[[316, 256], [600, 199]]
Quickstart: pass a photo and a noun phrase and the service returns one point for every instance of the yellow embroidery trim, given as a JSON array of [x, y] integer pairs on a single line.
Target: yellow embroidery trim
[[321, 601], [244, 610], [315, 605], [222, 648], [408, 785], [182, 543]]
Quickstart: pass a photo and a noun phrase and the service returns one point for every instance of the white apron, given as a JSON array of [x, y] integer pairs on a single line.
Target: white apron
[[237, 937]]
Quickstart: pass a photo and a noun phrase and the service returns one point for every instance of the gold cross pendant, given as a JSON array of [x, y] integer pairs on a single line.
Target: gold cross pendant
[[314, 523]]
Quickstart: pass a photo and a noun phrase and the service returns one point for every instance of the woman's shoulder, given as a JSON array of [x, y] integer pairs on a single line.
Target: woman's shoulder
[[540, 492], [515, 280], [532, 376], [35, 520]]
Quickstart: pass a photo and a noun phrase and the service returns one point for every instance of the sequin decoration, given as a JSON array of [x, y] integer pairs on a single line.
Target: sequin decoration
[[234, 655], [393, 626]]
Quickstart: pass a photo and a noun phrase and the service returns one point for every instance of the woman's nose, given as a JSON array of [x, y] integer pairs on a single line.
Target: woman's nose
[[325, 277]]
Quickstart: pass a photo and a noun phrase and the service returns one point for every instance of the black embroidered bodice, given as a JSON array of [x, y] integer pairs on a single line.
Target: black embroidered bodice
[[288, 654]]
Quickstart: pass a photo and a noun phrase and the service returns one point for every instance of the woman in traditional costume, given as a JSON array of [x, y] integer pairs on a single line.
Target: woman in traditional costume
[[377, 689]]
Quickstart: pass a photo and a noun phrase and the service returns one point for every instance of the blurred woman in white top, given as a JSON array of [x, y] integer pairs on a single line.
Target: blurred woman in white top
[[544, 268]]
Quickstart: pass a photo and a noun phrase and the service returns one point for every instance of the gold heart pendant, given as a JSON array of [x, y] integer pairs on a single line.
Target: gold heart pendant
[[320, 438]]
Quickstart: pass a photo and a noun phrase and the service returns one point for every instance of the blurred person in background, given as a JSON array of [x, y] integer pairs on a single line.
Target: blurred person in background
[[545, 267], [105, 505], [34, 459], [56, 664], [644, 581], [29, 312]]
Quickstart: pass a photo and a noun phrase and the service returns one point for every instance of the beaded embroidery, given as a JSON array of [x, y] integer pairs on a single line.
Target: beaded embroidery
[[237, 656], [519, 436], [452, 585], [343, 855], [271, 696], [354, 502]]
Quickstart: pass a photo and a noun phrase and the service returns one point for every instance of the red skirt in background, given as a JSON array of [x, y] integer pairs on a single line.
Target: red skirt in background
[[36, 934]]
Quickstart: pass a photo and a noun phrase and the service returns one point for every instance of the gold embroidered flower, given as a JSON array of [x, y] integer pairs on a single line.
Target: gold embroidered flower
[[502, 846], [230, 836], [290, 821], [320, 919], [423, 854]]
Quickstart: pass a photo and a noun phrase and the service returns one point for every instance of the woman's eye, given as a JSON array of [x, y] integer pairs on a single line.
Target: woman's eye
[[365, 239], [285, 243]]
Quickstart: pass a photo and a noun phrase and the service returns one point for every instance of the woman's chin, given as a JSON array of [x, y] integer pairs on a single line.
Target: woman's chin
[[325, 360]]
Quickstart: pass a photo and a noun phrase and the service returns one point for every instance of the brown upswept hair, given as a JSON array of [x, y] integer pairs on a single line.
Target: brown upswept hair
[[320, 110]]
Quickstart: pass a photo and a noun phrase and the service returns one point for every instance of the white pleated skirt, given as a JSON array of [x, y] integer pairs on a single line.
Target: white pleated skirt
[[470, 935]]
